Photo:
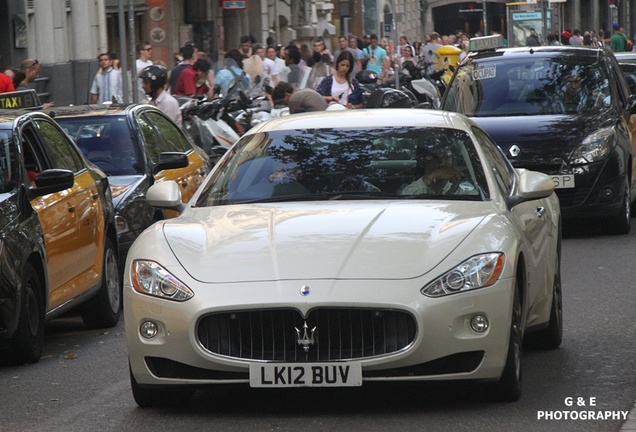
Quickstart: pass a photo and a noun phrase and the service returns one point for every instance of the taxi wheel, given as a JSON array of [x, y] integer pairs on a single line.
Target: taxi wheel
[[105, 308], [28, 340], [509, 386]]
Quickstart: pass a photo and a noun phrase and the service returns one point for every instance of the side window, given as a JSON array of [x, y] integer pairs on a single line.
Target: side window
[[152, 140], [9, 172], [501, 167], [60, 150], [621, 83], [175, 140]]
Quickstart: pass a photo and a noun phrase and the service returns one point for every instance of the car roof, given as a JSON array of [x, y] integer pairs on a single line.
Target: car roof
[[363, 118], [547, 50], [9, 115]]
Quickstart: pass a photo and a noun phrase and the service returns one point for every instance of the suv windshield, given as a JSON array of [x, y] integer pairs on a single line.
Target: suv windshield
[[337, 164], [532, 85]]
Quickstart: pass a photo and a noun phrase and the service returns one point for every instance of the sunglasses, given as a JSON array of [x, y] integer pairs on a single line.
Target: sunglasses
[[35, 62]]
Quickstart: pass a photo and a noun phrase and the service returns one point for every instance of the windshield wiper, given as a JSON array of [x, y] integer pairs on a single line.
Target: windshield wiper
[[280, 198], [354, 195]]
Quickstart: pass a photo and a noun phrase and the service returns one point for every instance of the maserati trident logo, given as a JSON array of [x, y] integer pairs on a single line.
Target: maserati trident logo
[[514, 150], [306, 339]]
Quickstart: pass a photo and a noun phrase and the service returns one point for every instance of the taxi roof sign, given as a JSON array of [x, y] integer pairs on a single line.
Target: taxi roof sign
[[486, 43], [22, 99]]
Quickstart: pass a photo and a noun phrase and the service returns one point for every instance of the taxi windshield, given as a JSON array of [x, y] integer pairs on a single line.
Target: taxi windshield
[[106, 142], [533, 85], [349, 164]]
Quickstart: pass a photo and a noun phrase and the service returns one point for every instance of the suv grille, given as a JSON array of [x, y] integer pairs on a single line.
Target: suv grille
[[340, 334]]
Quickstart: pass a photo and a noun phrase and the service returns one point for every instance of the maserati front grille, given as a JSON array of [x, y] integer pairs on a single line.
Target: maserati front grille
[[324, 335]]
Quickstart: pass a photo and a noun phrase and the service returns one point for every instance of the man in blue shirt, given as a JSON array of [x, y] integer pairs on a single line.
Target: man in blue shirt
[[376, 58]]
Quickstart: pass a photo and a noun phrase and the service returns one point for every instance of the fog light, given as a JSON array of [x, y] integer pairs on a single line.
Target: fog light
[[479, 323], [149, 329]]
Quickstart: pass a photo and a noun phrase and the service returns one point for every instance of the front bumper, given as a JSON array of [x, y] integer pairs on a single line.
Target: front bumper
[[444, 346]]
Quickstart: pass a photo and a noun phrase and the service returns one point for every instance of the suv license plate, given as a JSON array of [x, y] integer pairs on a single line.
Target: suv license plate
[[343, 374], [565, 181]]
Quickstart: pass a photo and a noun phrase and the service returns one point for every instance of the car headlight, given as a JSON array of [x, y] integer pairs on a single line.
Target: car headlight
[[595, 147], [476, 272], [150, 278]]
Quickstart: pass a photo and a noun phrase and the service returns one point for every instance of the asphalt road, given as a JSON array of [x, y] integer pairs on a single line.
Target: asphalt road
[[81, 383]]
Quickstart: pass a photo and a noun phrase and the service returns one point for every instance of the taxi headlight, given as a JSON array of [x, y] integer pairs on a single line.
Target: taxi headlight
[[476, 272], [595, 147], [150, 278]]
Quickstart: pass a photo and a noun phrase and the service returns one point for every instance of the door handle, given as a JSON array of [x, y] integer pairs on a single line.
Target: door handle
[[71, 209]]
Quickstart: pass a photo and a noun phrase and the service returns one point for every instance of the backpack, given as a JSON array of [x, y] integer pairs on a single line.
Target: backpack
[[629, 46]]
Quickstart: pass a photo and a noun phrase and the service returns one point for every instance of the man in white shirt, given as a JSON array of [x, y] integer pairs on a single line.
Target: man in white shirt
[[144, 59], [270, 70], [107, 85], [154, 79]]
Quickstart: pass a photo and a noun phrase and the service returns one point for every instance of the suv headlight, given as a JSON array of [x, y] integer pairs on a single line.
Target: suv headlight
[[595, 147], [150, 278], [476, 272]]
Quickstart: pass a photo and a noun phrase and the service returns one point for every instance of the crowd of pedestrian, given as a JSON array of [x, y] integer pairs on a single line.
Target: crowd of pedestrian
[[277, 71]]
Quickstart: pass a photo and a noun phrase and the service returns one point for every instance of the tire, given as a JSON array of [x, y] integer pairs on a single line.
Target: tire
[[148, 397], [622, 223], [28, 340], [552, 336], [104, 309], [510, 385]]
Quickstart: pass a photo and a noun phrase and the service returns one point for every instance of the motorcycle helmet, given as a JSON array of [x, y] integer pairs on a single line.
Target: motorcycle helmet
[[367, 77], [390, 98], [156, 75]]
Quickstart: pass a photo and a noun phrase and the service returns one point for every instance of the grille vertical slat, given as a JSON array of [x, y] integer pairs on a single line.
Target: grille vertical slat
[[340, 334]]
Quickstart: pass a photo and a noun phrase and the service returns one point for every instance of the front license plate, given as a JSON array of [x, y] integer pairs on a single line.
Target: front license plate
[[347, 374], [564, 181]]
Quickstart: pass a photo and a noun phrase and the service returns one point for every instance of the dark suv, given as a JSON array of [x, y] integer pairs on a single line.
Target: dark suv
[[565, 111]]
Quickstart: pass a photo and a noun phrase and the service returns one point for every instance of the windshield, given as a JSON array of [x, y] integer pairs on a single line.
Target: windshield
[[529, 86], [336, 164], [9, 174], [106, 141]]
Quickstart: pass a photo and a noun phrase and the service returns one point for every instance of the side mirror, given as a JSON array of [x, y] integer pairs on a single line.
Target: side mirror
[[532, 185], [51, 181], [171, 160], [165, 195]]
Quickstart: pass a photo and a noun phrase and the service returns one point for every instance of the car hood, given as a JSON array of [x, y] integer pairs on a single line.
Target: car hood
[[542, 139], [384, 240], [122, 186]]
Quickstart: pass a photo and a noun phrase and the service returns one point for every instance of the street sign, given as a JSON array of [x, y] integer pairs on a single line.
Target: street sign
[[233, 5]]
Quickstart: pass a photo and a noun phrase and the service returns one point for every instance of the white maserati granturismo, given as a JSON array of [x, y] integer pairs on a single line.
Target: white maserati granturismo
[[339, 248]]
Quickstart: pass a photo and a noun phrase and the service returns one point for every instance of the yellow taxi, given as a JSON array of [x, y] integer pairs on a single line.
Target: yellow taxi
[[58, 238]]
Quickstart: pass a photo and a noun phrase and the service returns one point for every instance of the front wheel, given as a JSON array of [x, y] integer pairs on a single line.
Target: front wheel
[[622, 223], [148, 397], [510, 385], [105, 308]]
